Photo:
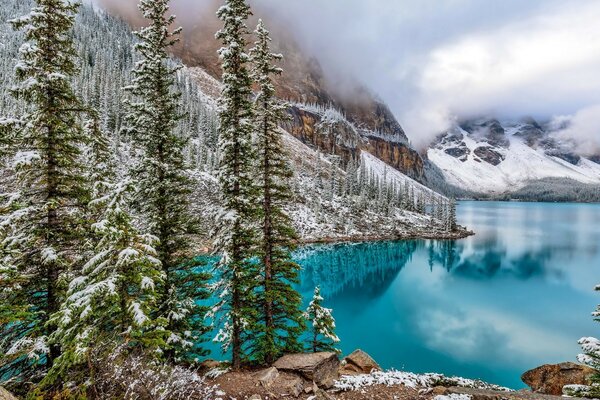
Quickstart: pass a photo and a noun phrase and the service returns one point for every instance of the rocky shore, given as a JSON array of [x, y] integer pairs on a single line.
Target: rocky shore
[[322, 376], [459, 234]]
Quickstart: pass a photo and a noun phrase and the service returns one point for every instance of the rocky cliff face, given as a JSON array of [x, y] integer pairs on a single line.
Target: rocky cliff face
[[368, 122], [332, 133]]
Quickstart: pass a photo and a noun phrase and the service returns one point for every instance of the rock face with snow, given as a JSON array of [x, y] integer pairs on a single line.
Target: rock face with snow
[[488, 156], [321, 368], [551, 378]]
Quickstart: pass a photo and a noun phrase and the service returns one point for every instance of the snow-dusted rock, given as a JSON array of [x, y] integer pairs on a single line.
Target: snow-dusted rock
[[551, 378], [321, 368], [358, 362]]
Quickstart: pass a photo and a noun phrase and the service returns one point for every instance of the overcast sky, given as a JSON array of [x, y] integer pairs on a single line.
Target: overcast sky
[[436, 60]]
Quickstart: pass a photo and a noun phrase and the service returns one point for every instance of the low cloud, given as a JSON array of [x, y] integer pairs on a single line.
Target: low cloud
[[582, 130], [436, 61]]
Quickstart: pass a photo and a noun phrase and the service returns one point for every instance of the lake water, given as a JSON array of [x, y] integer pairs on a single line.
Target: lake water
[[517, 295]]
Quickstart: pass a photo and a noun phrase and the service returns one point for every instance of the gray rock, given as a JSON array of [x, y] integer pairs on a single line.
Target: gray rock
[[266, 377], [292, 386], [321, 368]]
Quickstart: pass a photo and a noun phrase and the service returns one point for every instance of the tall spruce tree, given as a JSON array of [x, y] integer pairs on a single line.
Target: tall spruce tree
[[41, 228], [591, 356], [281, 321], [237, 238], [163, 188], [323, 337], [114, 299]]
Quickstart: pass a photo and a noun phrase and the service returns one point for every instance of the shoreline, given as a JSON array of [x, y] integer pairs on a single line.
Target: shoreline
[[421, 235], [462, 234]]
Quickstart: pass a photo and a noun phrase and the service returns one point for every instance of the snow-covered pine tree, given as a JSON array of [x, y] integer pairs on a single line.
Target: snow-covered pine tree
[[237, 237], [451, 216], [162, 186], [42, 227], [281, 321], [115, 298], [320, 319], [591, 356]]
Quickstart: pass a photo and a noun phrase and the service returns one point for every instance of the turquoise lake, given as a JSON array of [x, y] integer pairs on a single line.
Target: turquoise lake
[[516, 295]]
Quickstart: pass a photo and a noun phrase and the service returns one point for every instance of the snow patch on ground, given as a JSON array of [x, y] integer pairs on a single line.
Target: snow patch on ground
[[453, 396], [411, 380]]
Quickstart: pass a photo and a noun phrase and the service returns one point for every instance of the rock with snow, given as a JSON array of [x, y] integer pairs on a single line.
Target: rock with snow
[[358, 362], [551, 378], [321, 368]]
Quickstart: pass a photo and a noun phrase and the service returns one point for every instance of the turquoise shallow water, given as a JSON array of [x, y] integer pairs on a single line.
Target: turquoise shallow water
[[517, 295]]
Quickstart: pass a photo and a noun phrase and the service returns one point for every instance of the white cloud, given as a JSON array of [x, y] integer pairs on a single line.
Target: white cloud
[[435, 60], [583, 130]]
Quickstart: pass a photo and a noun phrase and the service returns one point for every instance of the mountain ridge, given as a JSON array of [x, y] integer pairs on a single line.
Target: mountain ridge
[[492, 157]]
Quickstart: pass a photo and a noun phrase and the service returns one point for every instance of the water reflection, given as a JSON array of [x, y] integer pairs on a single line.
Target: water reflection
[[515, 296]]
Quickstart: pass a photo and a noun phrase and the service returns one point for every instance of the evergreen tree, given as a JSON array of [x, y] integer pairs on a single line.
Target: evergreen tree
[[323, 337], [115, 296], [163, 188], [281, 320], [237, 237], [451, 224], [591, 356], [41, 228]]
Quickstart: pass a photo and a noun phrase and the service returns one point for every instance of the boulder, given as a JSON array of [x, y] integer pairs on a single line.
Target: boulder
[[209, 364], [291, 385], [358, 362], [6, 395], [321, 368], [266, 377], [551, 378]]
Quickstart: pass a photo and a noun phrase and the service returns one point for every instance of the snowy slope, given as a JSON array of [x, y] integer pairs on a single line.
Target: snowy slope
[[389, 174], [522, 163]]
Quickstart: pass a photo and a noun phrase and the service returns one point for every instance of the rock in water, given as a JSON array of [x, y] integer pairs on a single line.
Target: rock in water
[[359, 362], [6, 395], [551, 378], [321, 368]]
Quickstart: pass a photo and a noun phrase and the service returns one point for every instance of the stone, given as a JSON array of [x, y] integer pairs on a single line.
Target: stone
[[292, 386], [6, 395], [321, 368], [255, 397], [551, 378], [209, 364], [489, 155], [266, 377], [360, 362]]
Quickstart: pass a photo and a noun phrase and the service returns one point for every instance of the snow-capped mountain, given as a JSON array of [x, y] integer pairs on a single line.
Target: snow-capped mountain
[[489, 156]]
